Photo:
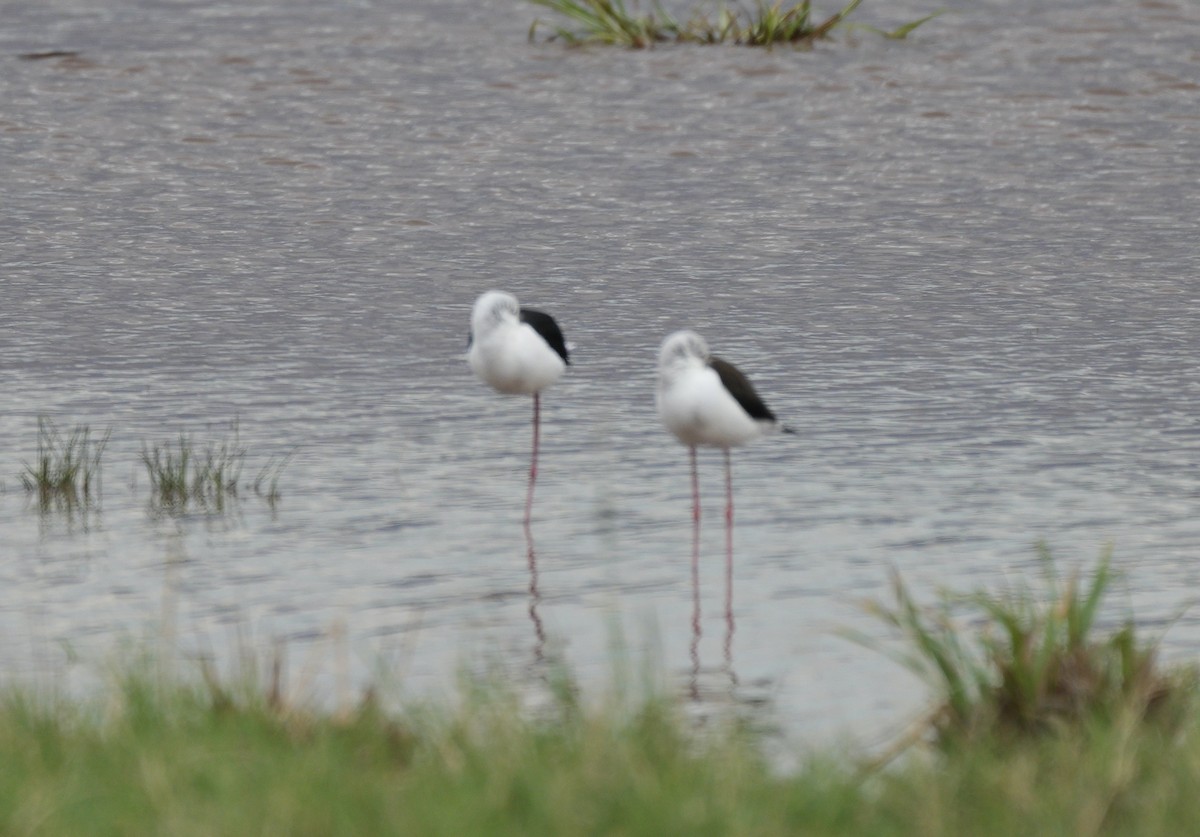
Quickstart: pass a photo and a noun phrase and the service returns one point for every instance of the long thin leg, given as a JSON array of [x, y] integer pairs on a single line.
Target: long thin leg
[[695, 490], [695, 534], [728, 558], [695, 649], [537, 416]]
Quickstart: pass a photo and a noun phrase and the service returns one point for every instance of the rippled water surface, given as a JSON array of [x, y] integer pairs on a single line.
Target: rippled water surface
[[964, 266]]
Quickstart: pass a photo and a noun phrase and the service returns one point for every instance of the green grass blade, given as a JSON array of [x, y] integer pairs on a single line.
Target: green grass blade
[[903, 31], [828, 26]]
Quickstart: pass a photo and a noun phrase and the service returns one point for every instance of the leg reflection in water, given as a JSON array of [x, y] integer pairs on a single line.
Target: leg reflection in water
[[535, 597]]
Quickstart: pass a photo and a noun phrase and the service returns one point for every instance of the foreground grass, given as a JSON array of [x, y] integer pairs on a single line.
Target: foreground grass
[[177, 760], [1034, 659], [1043, 726]]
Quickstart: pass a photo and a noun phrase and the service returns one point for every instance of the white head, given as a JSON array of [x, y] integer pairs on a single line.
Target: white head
[[492, 309], [681, 350]]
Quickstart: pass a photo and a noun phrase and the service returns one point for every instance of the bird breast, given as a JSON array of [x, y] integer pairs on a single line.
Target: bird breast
[[514, 360], [697, 408]]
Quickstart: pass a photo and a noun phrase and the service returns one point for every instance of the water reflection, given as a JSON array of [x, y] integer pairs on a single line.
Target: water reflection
[[535, 596], [697, 632], [174, 559], [729, 623], [719, 689], [65, 515], [727, 670], [724, 684]]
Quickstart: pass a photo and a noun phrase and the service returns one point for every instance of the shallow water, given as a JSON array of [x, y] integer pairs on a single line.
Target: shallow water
[[963, 266]]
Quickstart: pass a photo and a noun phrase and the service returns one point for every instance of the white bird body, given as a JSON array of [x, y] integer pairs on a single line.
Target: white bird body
[[704, 400], [697, 408], [506, 351]]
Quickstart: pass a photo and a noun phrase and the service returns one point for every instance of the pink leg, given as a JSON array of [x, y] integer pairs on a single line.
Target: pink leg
[[728, 548], [695, 576], [695, 649], [695, 489], [537, 415], [695, 537]]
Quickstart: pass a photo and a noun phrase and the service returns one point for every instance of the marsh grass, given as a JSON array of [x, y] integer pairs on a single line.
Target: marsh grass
[[185, 476], [198, 755], [202, 755], [65, 472], [775, 24], [185, 750], [609, 22], [1030, 660], [764, 24], [903, 30]]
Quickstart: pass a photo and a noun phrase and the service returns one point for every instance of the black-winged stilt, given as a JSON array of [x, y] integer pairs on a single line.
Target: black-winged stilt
[[707, 401], [517, 351]]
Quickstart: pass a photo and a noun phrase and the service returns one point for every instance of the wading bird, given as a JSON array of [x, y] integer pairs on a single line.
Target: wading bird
[[707, 401], [517, 351]]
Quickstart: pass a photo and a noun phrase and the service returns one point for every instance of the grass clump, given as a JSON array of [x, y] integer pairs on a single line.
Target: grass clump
[[765, 24], [609, 22], [773, 23], [184, 476], [66, 470], [1036, 662]]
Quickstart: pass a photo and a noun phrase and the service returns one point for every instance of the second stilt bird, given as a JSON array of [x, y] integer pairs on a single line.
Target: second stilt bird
[[707, 401]]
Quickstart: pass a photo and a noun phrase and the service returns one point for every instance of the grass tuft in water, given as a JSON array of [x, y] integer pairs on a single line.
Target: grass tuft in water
[[184, 476], [609, 22], [66, 470], [775, 24], [765, 24], [1034, 659]]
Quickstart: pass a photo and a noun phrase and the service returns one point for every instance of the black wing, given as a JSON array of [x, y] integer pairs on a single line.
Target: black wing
[[545, 326], [741, 389]]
